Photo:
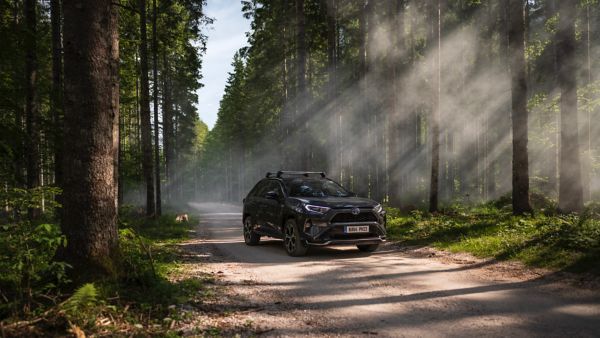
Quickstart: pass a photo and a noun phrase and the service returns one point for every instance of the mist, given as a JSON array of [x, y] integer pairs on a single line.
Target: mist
[[366, 120]]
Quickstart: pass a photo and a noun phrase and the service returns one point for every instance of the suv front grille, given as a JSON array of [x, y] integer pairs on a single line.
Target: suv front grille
[[346, 217]]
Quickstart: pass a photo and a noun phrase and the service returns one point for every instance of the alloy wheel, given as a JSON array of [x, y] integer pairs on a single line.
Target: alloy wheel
[[290, 238]]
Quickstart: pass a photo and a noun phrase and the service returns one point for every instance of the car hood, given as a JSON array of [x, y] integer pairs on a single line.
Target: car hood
[[338, 202]]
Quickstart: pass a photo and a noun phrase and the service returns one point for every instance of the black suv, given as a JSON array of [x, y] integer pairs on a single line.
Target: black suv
[[308, 209]]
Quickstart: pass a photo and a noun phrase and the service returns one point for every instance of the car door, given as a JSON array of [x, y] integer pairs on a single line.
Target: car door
[[254, 203], [273, 208]]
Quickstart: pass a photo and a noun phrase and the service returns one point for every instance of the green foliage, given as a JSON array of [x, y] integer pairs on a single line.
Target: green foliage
[[79, 307], [566, 242], [30, 275], [17, 201]]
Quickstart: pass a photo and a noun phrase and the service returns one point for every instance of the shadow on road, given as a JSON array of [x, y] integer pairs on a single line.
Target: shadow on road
[[398, 294]]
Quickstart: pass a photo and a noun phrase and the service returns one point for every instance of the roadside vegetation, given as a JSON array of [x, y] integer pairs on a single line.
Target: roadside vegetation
[[542, 239], [37, 297]]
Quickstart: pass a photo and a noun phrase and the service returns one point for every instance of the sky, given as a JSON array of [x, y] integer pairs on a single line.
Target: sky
[[225, 36]]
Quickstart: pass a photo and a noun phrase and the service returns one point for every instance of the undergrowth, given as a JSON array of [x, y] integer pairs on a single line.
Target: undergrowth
[[544, 239], [37, 298]]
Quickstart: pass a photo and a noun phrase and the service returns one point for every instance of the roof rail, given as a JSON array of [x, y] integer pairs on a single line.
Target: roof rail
[[298, 173]]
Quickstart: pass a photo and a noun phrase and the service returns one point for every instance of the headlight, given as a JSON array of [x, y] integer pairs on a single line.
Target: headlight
[[316, 208], [378, 208]]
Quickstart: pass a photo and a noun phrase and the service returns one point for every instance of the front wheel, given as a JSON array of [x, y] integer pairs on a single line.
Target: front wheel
[[250, 237], [293, 244], [367, 247]]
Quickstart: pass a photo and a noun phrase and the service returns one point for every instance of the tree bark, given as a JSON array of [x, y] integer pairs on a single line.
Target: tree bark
[[285, 118], [32, 117], [155, 97], [435, 111], [147, 165], [91, 106], [570, 197], [398, 126], [56, 89], [301, 96], [520, 163], [167, 126], [334, 149], [360, 175]]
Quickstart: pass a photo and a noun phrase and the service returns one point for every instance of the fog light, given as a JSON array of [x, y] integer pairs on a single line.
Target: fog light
[[320, 224]]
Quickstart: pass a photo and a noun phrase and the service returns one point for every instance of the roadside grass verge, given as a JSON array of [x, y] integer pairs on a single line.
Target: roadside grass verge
[[548, 240], [145, 298]]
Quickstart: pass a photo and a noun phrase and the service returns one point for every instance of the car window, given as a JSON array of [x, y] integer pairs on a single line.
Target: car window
[[266, 187], [315, 188], [271, 186], [277, 187], [257, 189]]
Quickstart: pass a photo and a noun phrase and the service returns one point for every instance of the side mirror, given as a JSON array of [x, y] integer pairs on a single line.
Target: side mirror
[[272, 195]]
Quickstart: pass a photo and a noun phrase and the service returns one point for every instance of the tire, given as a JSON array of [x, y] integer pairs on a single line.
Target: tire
[[294, 246], [367, 247], [250, 237]]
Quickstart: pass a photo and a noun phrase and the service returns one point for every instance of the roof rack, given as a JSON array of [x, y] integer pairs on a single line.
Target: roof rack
[[297, 173]]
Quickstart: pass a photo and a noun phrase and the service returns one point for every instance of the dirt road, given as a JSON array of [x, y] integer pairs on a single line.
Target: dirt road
[[343, 292]]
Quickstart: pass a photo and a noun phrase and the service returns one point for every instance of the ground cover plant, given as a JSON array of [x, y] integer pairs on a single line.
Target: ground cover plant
[[38, 298], [542, 239]]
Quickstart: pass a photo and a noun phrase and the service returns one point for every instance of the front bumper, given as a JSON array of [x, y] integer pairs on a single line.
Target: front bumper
[[319, 230], [358, 241]]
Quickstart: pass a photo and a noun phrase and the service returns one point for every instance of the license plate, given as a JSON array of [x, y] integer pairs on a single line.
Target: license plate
[[352, 229]]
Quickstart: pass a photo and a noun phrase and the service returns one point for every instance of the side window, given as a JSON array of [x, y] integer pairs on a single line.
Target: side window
[[257, 189], [263, 189], [278, 188], [270, 186]]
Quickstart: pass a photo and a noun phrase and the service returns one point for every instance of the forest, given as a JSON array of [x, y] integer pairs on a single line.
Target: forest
[[430, 107], [419, 104]]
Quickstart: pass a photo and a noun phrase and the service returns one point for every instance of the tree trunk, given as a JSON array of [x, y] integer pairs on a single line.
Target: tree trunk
[[56, 89], [285, 118], [31, 101], [587, 129], [91, 106], [145, 114], [334, 166], [520, 167], [155, 97], [397, 125], [301, 96], [361, 119], [435, 111], [570, 197], [167, 127]]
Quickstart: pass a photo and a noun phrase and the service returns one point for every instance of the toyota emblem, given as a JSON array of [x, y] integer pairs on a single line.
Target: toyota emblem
[[355, 211]]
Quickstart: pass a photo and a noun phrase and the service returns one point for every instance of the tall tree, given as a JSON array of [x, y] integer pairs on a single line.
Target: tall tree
[[147, 165], [32, 118], [436, 43], [397, 124], [155, 106], [520, 163], [331, 6], [361, 168], [91, 108], [167, 125], [301, 92], [570, 196], [56, 90]]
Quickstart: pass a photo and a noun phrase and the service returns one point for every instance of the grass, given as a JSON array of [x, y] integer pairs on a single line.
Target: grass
[[560, 242]]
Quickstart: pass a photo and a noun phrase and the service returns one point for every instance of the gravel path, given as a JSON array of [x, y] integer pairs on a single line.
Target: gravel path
[[390, 293]]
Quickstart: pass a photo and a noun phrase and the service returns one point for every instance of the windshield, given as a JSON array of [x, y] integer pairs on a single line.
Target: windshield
[[315, 188]]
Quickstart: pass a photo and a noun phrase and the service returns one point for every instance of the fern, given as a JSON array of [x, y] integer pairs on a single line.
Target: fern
[[84, 298]]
